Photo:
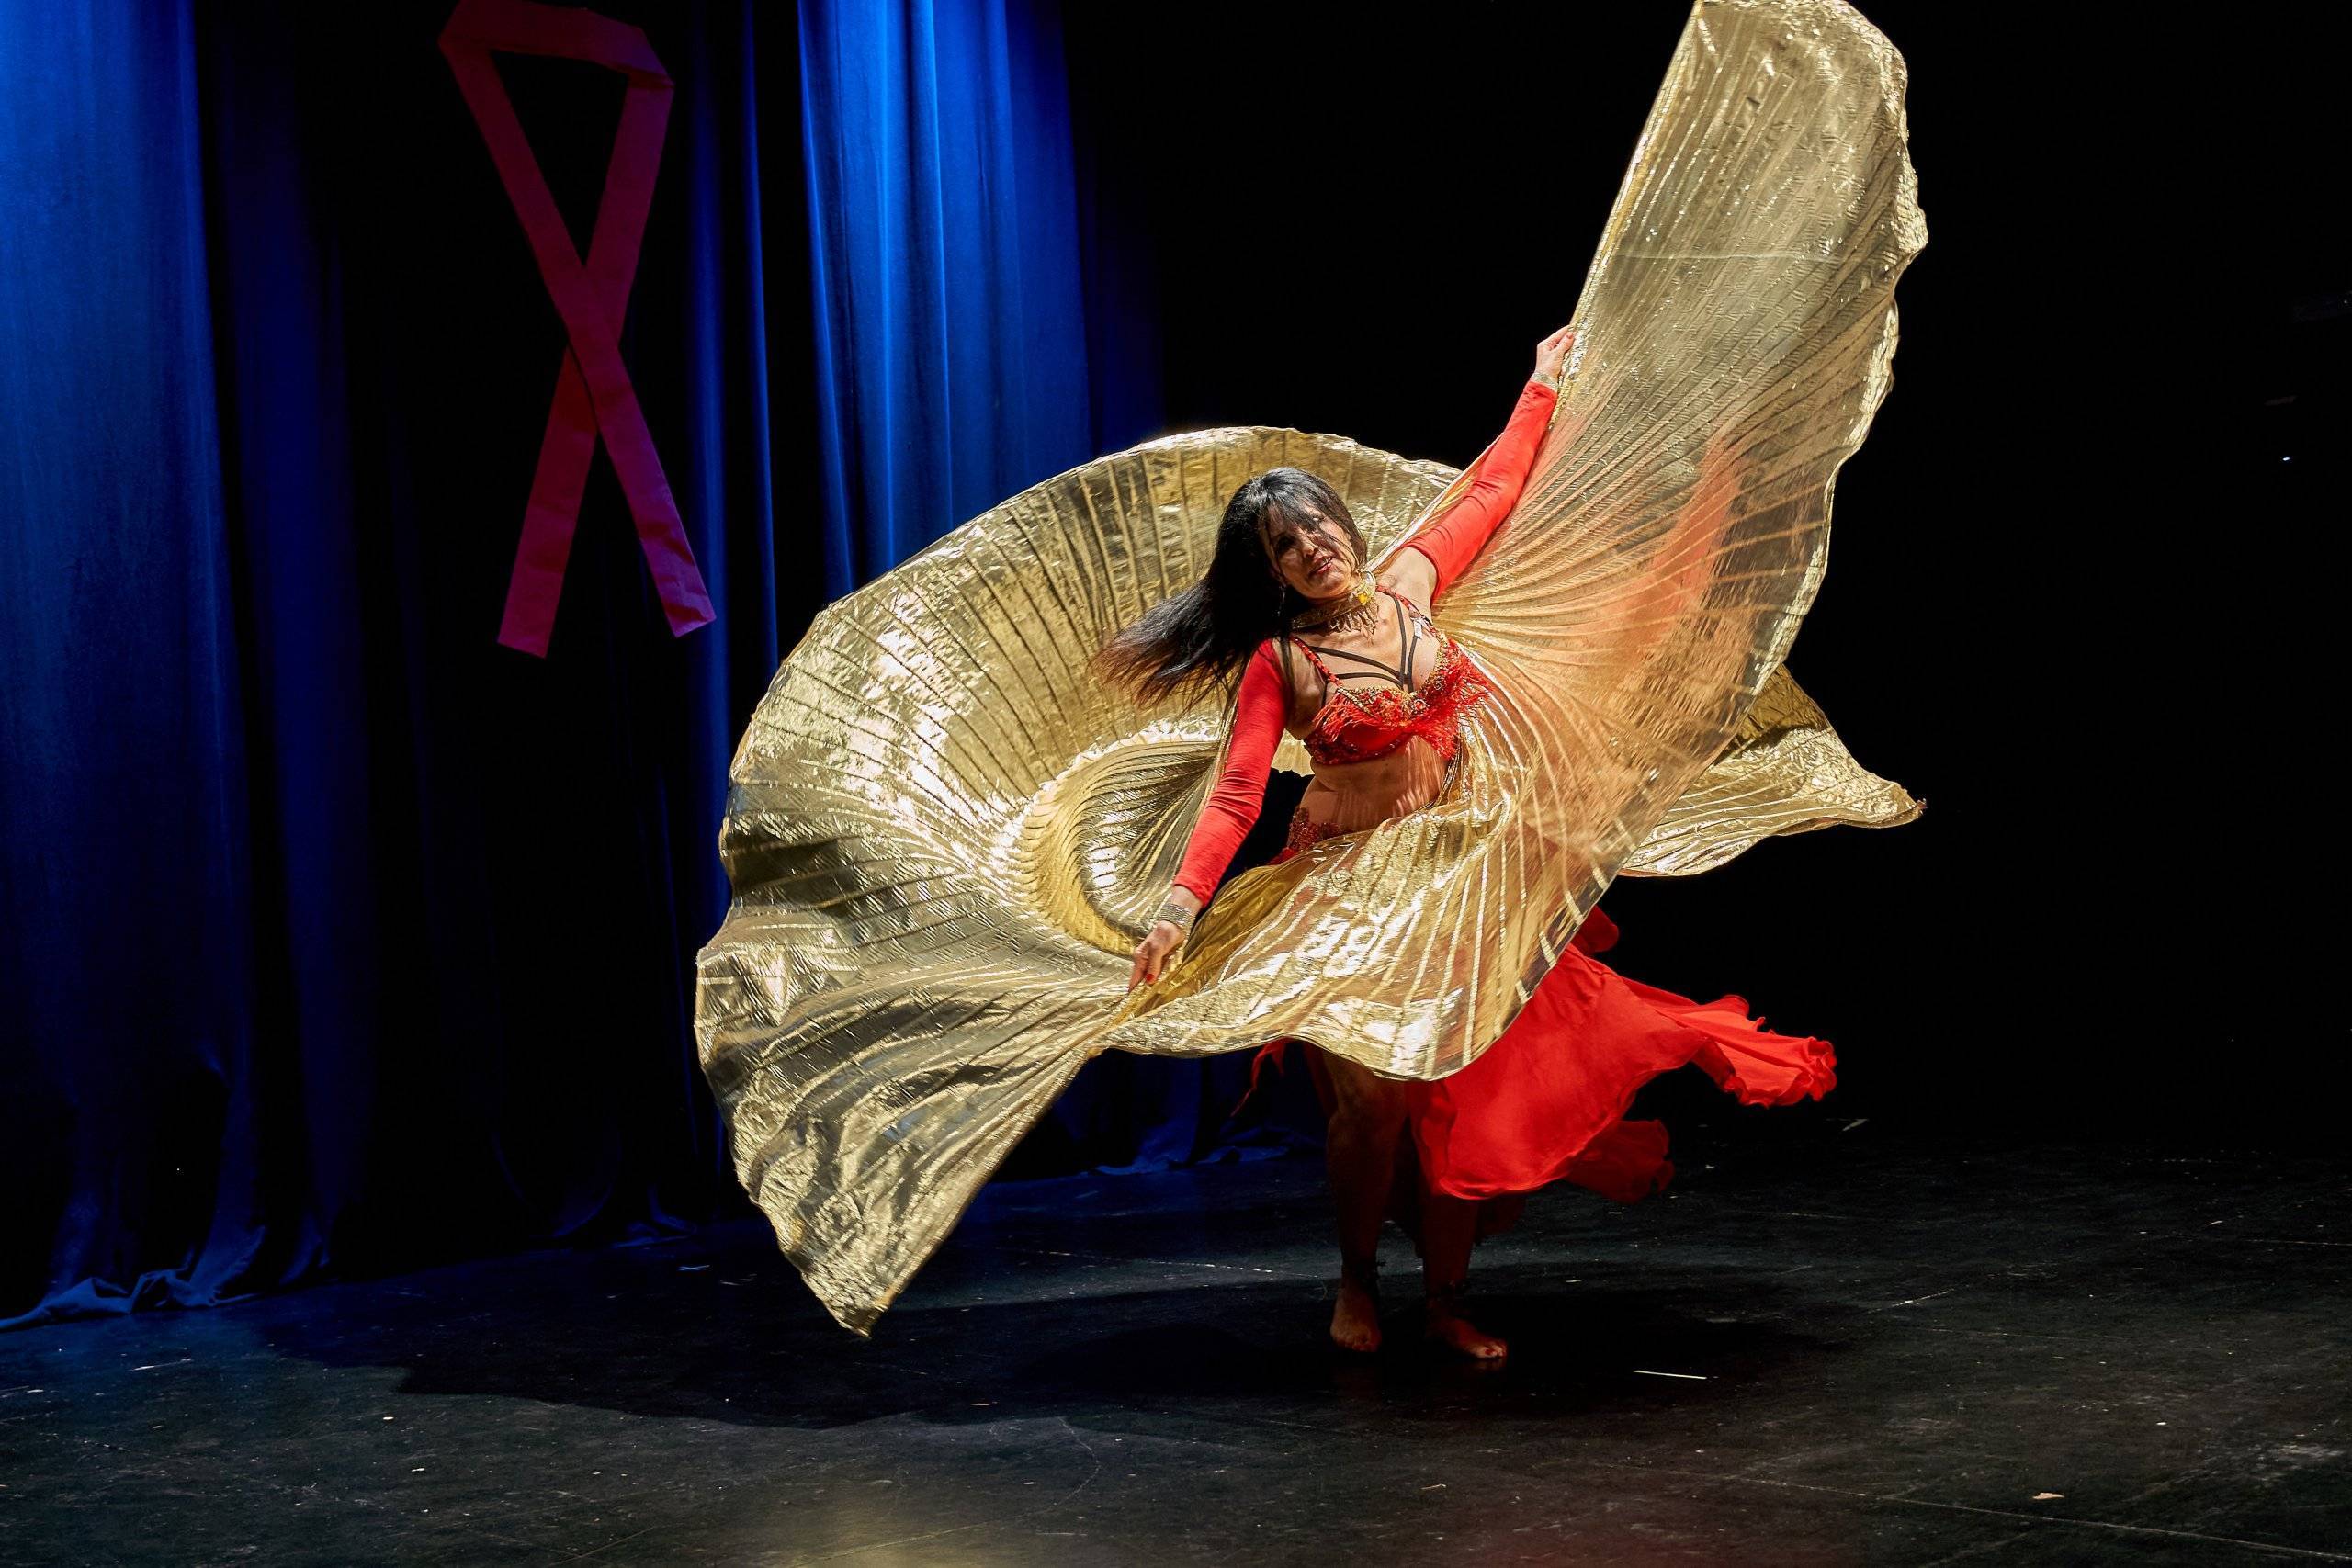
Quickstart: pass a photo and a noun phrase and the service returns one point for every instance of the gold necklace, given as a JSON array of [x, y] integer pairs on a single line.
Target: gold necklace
[[1356, 609]]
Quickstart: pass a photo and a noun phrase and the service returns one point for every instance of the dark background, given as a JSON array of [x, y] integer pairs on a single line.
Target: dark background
[[405, 973], [2075, 582]]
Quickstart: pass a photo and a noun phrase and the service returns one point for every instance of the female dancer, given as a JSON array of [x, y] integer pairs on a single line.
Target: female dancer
[[1375, 697], [921, 955]]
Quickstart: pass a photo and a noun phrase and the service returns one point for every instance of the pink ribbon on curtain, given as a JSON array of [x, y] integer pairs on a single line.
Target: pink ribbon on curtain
[[593, 393]]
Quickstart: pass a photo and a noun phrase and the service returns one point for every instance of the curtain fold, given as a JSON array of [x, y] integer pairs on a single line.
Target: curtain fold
[[126, 958], [952, 366]]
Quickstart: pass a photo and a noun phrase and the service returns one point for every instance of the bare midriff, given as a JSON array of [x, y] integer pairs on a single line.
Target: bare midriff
[[1345, 796]]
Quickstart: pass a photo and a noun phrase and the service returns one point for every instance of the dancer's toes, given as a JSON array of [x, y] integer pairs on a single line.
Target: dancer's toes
[[1355, 1319], [1457, 1333]]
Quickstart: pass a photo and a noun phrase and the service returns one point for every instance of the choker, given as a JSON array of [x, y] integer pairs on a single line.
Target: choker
[[1359, 606]]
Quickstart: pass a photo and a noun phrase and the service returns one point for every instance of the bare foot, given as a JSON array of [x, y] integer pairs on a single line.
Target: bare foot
[[1356, 1318], [1445, 1326]]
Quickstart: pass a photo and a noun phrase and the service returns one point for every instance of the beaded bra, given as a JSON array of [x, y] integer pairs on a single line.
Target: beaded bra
[[1356, 726]]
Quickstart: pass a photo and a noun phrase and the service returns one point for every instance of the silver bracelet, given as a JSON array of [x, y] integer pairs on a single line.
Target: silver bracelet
[[1176, 915]]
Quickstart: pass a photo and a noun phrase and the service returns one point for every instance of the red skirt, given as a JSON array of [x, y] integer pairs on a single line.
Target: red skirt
[[1547, 1100]]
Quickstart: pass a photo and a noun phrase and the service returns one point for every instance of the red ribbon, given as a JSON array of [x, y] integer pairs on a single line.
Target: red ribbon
[[593, 394]]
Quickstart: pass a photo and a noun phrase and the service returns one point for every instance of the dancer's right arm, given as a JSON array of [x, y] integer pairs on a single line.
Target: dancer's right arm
[[1261, 705]]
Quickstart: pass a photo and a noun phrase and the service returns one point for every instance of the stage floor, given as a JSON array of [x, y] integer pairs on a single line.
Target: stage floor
[[1848, 1345]]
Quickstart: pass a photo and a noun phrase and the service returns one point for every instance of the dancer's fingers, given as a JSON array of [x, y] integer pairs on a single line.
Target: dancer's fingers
[[1150, 964]]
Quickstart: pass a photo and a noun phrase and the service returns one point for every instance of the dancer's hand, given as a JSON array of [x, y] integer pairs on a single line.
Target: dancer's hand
[[1153, 953], [1552, 353]]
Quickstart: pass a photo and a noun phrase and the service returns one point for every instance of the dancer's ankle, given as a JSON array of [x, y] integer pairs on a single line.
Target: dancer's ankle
[[1442, 1321], [1355, 1315]]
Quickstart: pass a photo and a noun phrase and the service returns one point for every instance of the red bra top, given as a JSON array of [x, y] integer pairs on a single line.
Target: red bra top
[[1356, 725]]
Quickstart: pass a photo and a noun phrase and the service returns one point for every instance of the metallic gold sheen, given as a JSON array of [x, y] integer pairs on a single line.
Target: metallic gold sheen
[[946, 838], [1785, 771]]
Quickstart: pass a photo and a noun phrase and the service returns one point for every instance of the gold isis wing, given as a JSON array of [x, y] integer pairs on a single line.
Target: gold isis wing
[[946, 837]]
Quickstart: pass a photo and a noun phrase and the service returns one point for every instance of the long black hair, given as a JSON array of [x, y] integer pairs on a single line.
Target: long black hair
[[1204, 635]]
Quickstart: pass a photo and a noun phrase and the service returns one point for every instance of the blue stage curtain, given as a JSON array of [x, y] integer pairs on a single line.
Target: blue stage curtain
[[127, 966], [339, 938], [950, 333]]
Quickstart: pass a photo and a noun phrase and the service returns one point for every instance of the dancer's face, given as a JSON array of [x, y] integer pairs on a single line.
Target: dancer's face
[[1315, 555]]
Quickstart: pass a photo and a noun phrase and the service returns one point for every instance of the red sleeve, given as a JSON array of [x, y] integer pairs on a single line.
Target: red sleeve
[[1453, 541], [1240, 790]]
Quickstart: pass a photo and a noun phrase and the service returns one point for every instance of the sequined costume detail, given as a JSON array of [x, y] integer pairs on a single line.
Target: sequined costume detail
[[1358, 726]]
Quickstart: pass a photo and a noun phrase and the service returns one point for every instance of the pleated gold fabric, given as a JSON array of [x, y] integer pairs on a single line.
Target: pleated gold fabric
[[945, 837]]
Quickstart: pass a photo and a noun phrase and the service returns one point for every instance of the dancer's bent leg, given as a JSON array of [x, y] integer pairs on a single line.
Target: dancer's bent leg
[[1360, 1148], [1448, 1225]]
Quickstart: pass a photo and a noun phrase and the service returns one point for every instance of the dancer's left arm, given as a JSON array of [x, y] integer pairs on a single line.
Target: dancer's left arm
[[1431, 558]]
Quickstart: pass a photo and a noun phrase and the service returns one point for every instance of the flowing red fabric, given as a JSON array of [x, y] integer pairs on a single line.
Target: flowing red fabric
[[1547, 1100]]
